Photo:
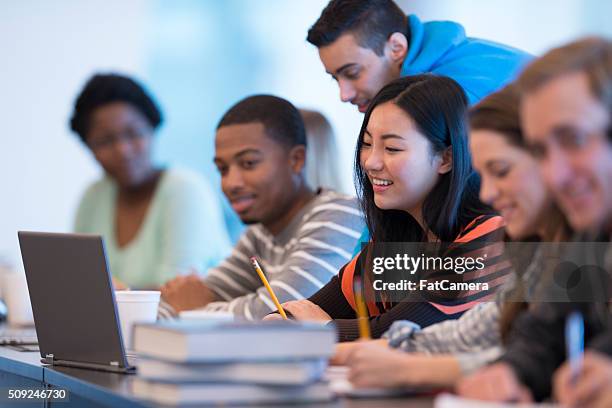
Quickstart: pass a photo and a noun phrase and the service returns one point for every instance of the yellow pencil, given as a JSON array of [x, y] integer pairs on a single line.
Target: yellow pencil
[[362, 310], [267, 285]]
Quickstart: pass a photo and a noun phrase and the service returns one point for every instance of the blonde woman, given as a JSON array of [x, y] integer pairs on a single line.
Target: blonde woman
[[321, 166]]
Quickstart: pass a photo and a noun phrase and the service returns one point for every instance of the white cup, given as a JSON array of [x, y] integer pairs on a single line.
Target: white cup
[[135, 306], [17, 299], [4, 269]]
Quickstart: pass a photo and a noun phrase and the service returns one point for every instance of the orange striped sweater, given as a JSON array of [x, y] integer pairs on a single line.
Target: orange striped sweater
[[484, 234]]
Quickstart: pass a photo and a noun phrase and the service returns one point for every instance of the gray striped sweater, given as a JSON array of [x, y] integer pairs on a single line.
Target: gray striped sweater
[[297, 262]]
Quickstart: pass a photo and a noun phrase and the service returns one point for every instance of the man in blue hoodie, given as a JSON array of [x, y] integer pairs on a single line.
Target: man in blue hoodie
[[364, 44]]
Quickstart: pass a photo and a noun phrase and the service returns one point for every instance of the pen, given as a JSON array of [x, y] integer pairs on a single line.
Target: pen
[[268, 287], [574, 343], [362, 311]]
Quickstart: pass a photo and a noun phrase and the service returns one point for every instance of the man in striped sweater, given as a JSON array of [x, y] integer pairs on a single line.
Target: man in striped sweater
[[301, 237]]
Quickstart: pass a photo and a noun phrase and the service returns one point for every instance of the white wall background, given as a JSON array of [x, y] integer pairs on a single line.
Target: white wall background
[[49, 49]]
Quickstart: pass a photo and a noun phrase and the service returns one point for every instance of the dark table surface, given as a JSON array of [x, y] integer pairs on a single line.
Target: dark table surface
[[114, 390], [25, 364]]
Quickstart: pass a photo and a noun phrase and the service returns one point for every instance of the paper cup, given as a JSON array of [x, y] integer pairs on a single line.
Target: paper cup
[[135, 306], [17, 299]]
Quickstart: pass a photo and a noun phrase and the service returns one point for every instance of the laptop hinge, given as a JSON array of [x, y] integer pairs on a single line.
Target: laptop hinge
[[114, 363], [49, 357]]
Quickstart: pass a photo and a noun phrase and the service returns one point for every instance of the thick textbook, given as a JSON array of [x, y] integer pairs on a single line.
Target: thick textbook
[[211, 393], [208, 341], [299, 372]]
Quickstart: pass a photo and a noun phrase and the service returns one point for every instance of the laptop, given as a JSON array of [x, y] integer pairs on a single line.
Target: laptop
[[73, 301], [17, 336]]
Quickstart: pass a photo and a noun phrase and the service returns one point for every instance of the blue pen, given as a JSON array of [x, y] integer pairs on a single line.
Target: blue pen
[[574, 342]]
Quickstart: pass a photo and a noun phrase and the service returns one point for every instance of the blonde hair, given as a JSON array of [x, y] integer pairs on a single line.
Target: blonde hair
[[591, 55], [322, 152]]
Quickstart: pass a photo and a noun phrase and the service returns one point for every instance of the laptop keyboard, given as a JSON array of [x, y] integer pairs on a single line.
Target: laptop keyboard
[[11, 336]]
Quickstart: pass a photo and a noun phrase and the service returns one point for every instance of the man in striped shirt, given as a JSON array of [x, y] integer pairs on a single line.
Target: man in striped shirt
[[301, 237]]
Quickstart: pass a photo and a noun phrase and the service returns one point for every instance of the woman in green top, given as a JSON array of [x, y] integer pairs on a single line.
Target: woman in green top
[[156, 222]]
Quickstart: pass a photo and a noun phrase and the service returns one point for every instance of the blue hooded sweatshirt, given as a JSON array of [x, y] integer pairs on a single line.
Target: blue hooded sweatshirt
[[479, 66], [441, 47]]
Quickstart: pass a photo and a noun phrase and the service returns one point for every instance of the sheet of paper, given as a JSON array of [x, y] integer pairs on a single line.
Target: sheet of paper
[[453, 401], [337, 376]]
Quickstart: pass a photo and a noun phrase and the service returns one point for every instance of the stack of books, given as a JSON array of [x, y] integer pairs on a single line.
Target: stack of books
[[185, 362]]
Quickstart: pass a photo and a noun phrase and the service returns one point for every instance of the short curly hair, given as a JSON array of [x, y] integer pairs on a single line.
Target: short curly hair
[[281, 120], [102, 89]]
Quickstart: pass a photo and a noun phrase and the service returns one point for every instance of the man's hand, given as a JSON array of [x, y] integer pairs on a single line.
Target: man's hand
[[494, 383], [187, 293], [306, 310], [119, 285], [593, 387]]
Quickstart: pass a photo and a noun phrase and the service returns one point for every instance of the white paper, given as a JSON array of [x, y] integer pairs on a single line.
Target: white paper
[[453, 401]]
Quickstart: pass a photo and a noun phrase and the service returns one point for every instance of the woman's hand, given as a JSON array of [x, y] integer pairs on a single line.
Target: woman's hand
[[494, 383], [342, 351], [273, 316], [374, 366], [593, 387], [306, 310]]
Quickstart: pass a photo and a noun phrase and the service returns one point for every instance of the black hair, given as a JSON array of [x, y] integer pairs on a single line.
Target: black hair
[[281, 120], [102, 89], [371, 21], [437, 105]]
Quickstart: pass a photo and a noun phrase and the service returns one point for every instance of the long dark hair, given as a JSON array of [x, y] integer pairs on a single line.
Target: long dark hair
[[437, 105], [499, 112]]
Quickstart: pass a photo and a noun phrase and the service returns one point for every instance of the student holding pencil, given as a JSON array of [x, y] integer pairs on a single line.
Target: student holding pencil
[[592, 388], [416, 184], [299, 235], [566, 115], [439, 354]]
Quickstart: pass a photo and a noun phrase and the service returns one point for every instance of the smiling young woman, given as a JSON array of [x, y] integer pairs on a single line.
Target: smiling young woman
[[510, 181], [415, 184]]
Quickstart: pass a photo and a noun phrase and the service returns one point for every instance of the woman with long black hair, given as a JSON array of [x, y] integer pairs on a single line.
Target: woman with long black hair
[[416, 184], [511, 183]]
